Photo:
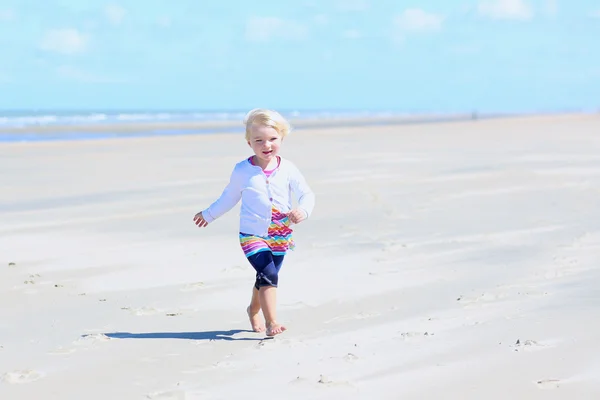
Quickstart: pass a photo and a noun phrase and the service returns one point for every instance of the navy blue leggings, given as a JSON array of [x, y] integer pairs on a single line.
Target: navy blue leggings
[[267, 268]]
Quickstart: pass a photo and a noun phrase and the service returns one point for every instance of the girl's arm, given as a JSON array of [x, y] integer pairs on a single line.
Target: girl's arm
[[302, 192], [230, 197]]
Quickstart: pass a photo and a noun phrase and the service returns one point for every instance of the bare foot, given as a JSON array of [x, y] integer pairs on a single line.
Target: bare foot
[[257, 325], [275, 329]]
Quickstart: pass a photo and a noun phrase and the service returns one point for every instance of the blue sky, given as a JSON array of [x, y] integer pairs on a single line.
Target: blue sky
[[436, 55]]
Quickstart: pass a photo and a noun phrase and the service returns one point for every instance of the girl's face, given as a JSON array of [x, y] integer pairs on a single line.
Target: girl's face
[[265, 141]]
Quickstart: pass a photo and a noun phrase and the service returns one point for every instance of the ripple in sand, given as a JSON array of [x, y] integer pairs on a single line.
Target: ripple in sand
[[62, 351], [548, 383], [386, 272], [568, 171], [23, 376], [169, 395]]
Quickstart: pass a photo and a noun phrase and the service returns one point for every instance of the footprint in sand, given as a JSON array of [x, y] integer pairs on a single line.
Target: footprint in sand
[[414, 335], [386, 272], [359, 316], [548, 384], [481, 300], [173, 314], [24, 376], [264, 342], [192, 287], [142, 310], [350, 357], [290, 343], [530, 345], [393, 247], [520, 290], [234, 269], [91, 339], [169, 395], [323, 381], [32, 279], [295, 305]]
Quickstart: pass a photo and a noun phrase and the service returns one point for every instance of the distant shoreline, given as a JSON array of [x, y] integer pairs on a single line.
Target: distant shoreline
[[122, 130], [128, 127]]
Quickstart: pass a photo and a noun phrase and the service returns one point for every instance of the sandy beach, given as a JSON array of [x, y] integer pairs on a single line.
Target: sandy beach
[[455, 260]]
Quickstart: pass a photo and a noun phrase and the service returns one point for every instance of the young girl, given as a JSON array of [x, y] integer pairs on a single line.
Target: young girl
[[265, 182]]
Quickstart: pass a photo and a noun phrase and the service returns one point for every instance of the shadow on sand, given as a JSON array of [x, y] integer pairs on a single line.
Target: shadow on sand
[[207, 335]]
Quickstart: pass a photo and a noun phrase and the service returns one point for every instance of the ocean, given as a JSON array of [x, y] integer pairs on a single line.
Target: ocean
[[47, 125]]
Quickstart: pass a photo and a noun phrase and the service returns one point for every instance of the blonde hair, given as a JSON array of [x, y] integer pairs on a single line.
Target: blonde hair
[[262, 116]]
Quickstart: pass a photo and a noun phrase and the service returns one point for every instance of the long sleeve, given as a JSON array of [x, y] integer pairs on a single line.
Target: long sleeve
[[302, 191], [230, 197]]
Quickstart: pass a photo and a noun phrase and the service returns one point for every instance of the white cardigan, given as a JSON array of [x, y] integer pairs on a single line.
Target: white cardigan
[[258, 193]]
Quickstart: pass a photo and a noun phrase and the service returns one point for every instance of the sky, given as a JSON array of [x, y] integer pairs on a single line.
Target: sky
[[427, 55]]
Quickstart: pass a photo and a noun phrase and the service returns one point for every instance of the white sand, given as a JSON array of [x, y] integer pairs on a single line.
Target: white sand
[[433, 249]]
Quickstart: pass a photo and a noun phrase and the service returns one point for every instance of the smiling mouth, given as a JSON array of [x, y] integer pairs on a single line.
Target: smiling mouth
[[267, 152]]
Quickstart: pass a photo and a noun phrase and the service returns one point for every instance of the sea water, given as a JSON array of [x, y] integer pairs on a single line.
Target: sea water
[[88, 122]]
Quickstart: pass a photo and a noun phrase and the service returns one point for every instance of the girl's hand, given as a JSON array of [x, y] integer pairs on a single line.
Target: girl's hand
[[200, 221], [296, 216]]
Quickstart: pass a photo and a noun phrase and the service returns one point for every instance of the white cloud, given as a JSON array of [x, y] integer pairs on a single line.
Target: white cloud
[[7, 15], [64, 41], [352, 34], [321, 19], [506, 9], [352, 5], [263, 29], [70, 72], [164, 21], [464, 49], [115, 13], [5, 78], [417, 20], [551, 7], [90, 25]]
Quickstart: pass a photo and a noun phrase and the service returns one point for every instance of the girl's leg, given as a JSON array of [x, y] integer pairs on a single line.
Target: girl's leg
[[268, 302], [268, 297], [267, 268], [258, 260], [254, 312]]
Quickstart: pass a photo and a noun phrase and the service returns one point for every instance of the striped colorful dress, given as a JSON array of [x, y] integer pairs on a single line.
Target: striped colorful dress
[[278, 240]]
